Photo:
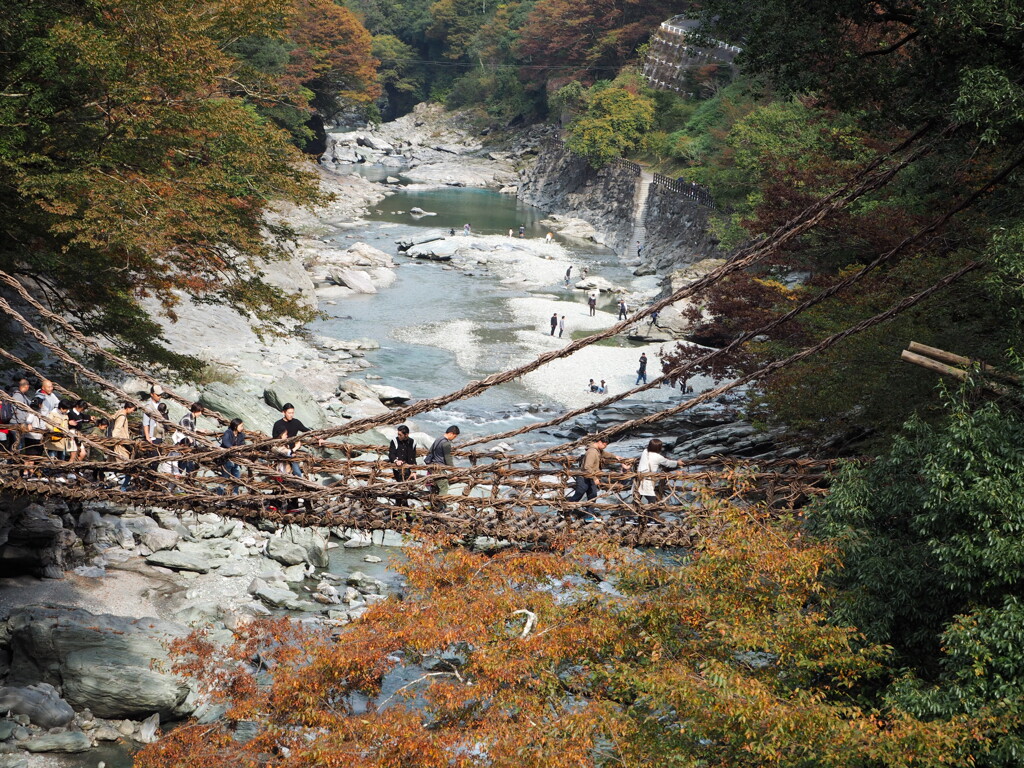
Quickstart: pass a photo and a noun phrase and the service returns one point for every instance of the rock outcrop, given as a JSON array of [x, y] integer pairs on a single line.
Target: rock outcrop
[[566, 184], [106, 664]]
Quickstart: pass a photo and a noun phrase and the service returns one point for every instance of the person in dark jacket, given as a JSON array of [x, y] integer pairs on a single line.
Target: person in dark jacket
[[402, 451], [289, 426], [440, 454], [233, 436]]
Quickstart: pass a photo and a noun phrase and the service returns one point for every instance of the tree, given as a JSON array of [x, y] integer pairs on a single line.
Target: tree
[[614, 123], [563, 39], [578, 658], [932, 563], [128, 166]]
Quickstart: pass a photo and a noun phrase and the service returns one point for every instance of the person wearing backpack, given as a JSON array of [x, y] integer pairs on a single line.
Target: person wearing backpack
[[588, 480], [11, 413], [440, 454], [652, 460]]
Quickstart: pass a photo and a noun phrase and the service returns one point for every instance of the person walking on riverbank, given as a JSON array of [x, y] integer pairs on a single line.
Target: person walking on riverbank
[[592, 303], [588, 480], [440, 455], [402, 451], [561, 326], [554, 323], [623, 311], [641, 372]]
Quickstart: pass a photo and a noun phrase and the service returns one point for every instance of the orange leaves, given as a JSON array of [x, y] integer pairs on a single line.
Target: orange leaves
[[726, 659]]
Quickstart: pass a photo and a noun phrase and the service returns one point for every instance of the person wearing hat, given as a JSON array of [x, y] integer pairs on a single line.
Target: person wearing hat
[[440, 454], [588, 481], [150, 413]]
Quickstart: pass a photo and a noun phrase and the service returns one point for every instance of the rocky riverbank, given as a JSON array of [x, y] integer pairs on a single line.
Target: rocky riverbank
[[84, 658]]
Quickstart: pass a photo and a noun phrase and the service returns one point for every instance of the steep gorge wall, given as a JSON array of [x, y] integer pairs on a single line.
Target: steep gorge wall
[[677, 229], [678, 233], [564, 183]]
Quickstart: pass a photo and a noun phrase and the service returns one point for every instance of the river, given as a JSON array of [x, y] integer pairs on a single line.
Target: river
[[440, 327]]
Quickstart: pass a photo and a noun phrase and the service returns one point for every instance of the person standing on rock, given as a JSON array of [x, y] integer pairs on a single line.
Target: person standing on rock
[[561, 326], [623, 312], [641, 372], [233, 436], [289, 426], [510, 233], [639, 249], [592, 303], [466, 229], [522, 231], [440, 455], [402, 452], [151, 412], [588, 480], [554, 323]]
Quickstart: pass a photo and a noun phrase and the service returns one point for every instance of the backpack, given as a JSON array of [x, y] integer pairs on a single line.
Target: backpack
[[7, 412]]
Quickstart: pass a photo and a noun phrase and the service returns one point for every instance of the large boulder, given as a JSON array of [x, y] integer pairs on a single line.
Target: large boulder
[[107, 664], [40, 702], [365, 255], [66, 741], [314, 545], [356, 279], [285, 551], [234, 403], [285, 389]]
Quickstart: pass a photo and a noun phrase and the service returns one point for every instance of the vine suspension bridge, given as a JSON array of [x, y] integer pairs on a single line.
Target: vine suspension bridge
[[516, 496]]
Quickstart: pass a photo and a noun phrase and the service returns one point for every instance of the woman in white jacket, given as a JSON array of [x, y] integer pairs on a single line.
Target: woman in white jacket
[[651, 460]]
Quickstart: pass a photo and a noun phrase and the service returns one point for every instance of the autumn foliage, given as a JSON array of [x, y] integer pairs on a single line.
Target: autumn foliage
[[586, 656]]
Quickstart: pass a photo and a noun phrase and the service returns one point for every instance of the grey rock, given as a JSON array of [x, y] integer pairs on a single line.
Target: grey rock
[[294, 574], [7, 729], [40, 702], [68, 742], [148, 729], [286, 552], [108, 664], [160, 539], [314, 545], [356, 279], [232, 402], [281, 598], [180, 561], [13, 761]]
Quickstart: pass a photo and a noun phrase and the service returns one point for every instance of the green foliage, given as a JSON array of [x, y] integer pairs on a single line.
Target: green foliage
[[930, 534], [614, 124], [130, 165]]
